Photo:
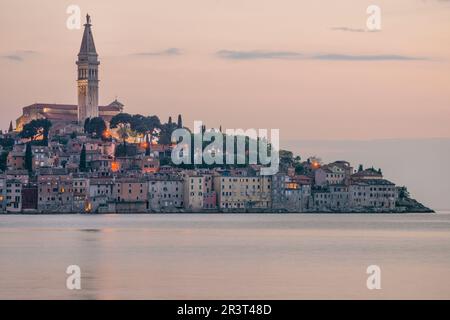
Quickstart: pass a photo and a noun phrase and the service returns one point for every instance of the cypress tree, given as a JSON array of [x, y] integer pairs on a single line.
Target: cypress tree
[[147, 147], [83, 164], [86, 124], [180, 122], [29, 159], [10, 127]]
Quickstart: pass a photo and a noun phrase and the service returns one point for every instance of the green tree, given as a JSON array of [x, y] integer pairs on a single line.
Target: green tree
[[122, 122], [83, 161], [360, 168], [36, 129], [86, 124], [147, 146], [3, 160], [299, 168], [7, 143], [146, 126], [29, 158], [10, 127], [403, 193], [165, 136], [286, 157], [96, 127]]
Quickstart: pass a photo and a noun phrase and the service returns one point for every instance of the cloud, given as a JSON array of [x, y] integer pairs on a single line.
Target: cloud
[[377, 57], [166, 52], [347, 29], [258, 55], [19, 56], [293, 55]]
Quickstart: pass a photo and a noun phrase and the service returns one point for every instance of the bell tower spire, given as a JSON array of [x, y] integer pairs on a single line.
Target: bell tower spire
[[87, 75]]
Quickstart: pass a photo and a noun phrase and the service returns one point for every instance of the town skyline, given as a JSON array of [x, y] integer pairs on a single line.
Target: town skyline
[[169, 72], [86, 158]]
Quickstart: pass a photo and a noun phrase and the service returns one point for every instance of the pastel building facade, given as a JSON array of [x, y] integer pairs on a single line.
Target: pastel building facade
[[165, 192], [373, 193], [55, 193], [131, 195], [101, 194], [238, 192], [194, 190]]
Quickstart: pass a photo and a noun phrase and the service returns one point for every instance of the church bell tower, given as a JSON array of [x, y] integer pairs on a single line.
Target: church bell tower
[[87, 76]]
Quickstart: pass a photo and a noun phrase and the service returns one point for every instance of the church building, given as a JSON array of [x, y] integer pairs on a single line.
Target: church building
[[87, 88]]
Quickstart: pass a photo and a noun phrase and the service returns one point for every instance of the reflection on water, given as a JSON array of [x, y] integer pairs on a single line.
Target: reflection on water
[[225, 256]]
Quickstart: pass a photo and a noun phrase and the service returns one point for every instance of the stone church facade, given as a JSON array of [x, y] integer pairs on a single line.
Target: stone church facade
[[88, 92]]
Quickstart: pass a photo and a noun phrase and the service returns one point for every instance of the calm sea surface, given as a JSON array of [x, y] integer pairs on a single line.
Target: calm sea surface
[[225, 256]]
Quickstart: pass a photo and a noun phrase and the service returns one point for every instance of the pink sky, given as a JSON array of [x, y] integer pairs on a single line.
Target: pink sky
[[269, 74]]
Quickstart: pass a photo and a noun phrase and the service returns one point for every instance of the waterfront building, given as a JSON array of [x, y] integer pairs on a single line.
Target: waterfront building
[[55, 193], [80, 186], [329, 175], [30, 198], [278, 190], [2, 193], [13, 196], [372, 193], [165, 192], [101, 194], [194, 191], [340, 197], [131, 195], [240, 192], [298, 199], [322, 199]]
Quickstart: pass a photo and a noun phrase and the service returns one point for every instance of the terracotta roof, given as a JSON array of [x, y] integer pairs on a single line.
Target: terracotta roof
[[367, 173], [113, 106], [377, 182]]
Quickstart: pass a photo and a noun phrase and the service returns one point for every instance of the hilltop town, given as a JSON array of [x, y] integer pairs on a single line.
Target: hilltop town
[[98, 169], [86, 158]]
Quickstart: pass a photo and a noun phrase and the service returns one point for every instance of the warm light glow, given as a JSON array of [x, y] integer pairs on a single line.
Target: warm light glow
[[106, 134], [315, 165], [115, 166], [292, 185], [144, 145], [150, 170]]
